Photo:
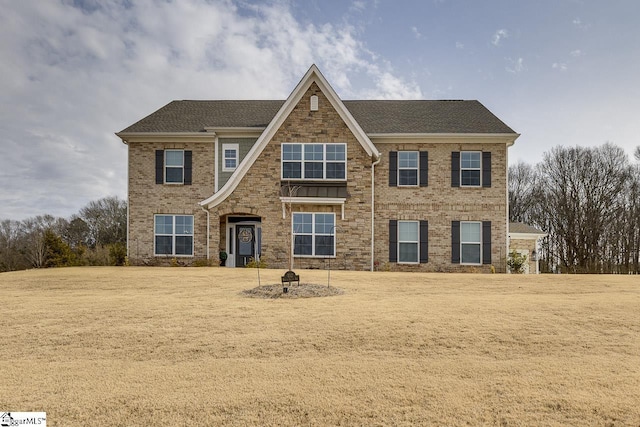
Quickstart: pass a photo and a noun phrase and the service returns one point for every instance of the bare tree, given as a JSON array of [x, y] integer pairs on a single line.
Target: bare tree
[[582, 198], [106, 220], [33, 238], [10, 256], [523, 189], [289, 191]]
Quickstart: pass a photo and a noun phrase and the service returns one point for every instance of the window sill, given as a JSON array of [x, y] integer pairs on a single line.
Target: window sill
[[315, 256], [172, 256]]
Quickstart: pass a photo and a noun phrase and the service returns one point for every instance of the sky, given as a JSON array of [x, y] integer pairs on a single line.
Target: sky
[[75, 72]]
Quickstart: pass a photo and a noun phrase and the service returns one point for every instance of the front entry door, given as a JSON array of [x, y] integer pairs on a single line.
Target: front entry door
[[245, 244]]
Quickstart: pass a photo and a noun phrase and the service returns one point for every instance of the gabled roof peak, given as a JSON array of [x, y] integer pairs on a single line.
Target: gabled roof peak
[[313, 75]]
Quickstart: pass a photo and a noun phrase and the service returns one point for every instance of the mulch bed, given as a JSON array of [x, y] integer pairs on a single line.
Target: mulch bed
[[304, 290]]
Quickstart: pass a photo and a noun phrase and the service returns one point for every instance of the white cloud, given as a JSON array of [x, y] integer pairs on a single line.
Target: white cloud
[[498, 36], [559, 66], [515, 66], [576, 53], [72, 77], [459, 45], [416, 33]]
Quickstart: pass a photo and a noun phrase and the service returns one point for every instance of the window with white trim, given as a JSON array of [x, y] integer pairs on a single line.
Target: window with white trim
[[314, 161], [173, 235], [174, 166], [407, 168], [470, 242], [470, 168], [408, 242], [230, 154], [314, 234]]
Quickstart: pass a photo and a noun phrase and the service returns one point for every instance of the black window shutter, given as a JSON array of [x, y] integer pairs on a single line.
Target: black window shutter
[[486, 242], [424, 168], [455, 242], [393, 168], [393, 240], [159, 166], [486, 168], [188, 170], [424, 241], [455, 169]]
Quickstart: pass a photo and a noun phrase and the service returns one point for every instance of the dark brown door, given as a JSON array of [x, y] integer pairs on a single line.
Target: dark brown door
[[245, 244]]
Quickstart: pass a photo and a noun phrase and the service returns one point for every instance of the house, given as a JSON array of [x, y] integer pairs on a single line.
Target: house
[[403, 185], [525, 240]]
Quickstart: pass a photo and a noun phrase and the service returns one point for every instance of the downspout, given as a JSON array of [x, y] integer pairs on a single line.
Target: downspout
[[128, 201], [215, 161], [506, 180], [208, 230], [373, 168]]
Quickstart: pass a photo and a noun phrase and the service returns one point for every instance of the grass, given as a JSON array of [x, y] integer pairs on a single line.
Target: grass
[[182, 346]]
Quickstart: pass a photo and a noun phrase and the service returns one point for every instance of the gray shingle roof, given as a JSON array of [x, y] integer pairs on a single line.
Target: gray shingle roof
[[373, 116], [519, 227]]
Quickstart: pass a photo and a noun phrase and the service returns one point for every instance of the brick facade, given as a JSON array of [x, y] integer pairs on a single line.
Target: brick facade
[[259, 191], [439, 203], [146, 198], [257, 195]]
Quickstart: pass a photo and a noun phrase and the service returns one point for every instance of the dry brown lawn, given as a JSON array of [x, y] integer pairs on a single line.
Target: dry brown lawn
[[182, 346]]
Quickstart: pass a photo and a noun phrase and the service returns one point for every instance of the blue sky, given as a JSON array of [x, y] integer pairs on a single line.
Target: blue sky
[[560, 72]]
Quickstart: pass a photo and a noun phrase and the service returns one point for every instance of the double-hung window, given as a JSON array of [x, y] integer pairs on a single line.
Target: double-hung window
[[174, 166], [470, 170], [470, 242], [407, 168], [173, 235], [230, 157], [313, 234], [314, 161], [408, 241]]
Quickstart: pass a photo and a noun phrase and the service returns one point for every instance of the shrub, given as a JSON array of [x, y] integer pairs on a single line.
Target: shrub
[[254, 264], [201, 262], [516, 262], [117, 254]]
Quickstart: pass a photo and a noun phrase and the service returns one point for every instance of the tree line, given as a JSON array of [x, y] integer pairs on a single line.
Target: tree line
[[96, 235], [588, 201]]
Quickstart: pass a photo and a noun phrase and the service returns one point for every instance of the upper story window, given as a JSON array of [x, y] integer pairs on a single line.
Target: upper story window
[[314, 161], [471, 169], [407, 168], [230, 157], [174, 166]]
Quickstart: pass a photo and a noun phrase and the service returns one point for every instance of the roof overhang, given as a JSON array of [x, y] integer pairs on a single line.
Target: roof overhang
[[505, 138], [127, 137], [236, 132], [527, 236]]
